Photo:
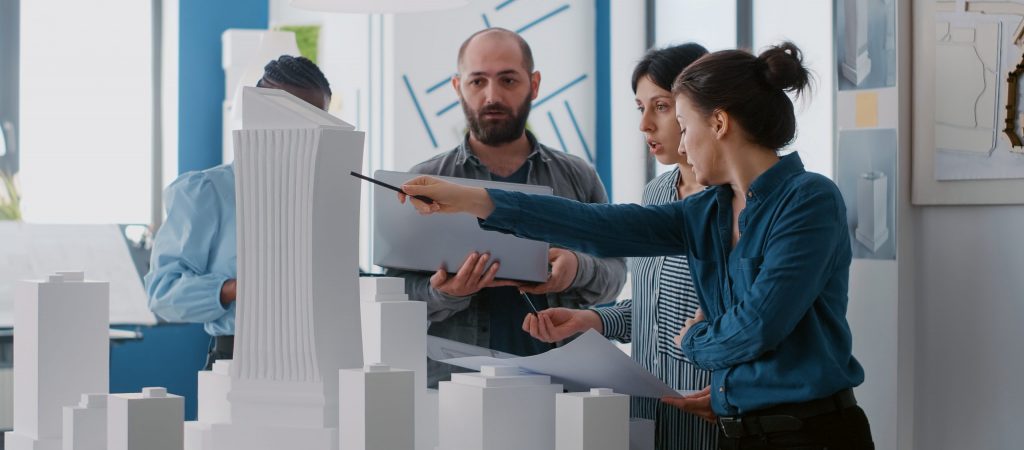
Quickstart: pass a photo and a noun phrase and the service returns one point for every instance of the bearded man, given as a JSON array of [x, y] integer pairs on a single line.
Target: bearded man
[[496, 84]]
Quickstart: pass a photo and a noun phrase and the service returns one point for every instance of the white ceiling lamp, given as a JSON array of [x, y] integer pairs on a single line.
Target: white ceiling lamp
[[377, 6]]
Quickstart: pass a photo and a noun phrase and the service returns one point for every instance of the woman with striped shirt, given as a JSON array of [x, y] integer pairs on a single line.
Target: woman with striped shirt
[[663, 295]]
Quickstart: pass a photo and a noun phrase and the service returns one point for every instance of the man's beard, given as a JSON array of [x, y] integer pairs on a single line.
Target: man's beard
[[491, 132]]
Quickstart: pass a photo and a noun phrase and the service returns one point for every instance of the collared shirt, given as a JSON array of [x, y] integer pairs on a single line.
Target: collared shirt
[[663, 298], [464, 319], [194, 251], [775, 305]]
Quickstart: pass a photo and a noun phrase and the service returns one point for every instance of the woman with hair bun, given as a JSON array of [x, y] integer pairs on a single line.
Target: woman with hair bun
[[768, 247]]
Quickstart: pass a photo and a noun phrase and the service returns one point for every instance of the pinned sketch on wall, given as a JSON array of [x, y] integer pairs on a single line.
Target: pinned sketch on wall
[[967, 114], [867, 179], [865, 43], [977, 51]]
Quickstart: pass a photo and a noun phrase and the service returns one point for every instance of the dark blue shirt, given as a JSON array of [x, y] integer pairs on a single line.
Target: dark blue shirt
[[507, 308], [775, 305]]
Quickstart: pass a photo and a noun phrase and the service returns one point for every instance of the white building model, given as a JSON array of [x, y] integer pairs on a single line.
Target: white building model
[[298, 320], [595, 420], [62, 352], [395, 333], [499, 408]]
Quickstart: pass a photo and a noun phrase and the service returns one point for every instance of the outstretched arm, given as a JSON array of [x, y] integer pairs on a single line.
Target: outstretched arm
[[599, 229]]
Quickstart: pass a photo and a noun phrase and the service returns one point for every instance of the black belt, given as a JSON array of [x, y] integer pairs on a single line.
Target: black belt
[[224, 344], [787, 417]]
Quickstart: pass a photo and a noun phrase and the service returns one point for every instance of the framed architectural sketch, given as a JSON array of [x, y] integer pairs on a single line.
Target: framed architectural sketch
[[964, 54]]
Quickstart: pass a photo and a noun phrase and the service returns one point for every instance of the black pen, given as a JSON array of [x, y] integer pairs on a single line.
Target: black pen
[[421, 198], [529, 302]]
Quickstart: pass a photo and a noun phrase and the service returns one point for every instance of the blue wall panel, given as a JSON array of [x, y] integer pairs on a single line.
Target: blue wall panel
[[603, 85], [201, 78], [168, 355]]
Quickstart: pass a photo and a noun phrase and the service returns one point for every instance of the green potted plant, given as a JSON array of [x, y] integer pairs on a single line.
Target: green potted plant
[[10, 199]]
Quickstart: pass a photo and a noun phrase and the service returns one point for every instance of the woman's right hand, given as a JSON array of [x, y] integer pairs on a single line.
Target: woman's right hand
[[447, 197], [558, 324]]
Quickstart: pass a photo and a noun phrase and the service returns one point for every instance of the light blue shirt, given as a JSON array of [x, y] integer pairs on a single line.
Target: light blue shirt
[[194, 252]]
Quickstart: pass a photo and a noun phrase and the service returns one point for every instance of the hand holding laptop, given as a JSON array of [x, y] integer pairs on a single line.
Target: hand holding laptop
[[474, 275], [564, 265]]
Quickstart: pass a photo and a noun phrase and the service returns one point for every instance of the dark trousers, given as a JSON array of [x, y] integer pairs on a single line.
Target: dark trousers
[[221, 347], [846, 429]]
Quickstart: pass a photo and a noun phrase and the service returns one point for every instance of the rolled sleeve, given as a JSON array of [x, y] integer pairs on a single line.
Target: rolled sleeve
[[617, 320], [180, 286]]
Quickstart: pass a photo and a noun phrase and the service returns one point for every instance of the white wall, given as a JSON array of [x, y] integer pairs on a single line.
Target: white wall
[[808, 24], [969, 335], [629, 152]]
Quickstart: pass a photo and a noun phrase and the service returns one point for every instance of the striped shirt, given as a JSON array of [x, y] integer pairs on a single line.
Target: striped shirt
[[663, 298]]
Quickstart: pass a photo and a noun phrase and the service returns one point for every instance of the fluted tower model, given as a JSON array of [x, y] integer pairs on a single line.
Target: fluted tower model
[[297, 320]]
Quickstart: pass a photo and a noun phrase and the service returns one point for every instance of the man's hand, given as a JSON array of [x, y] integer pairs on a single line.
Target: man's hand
[[227, 292], [557, 324], [473, 276], [698, 317], [564, 264], [698, 404]]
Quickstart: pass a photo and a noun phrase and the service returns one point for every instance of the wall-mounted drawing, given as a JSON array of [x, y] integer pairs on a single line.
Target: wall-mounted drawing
[[866, 43], [872, 197], [966, 88], [857, 63], [866, 168], [962, 152]]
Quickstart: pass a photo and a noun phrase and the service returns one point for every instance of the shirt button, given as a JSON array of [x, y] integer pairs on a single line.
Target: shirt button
[[721, 389], [655, 362]]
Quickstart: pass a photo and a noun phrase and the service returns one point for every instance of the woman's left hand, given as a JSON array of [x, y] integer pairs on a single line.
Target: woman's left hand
[[698, 404], [698, 317]]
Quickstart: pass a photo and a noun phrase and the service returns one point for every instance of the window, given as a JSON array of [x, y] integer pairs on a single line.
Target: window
[[86, 111]]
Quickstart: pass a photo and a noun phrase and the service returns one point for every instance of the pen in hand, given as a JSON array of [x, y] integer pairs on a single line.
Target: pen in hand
[[421, 198], [529, 302]]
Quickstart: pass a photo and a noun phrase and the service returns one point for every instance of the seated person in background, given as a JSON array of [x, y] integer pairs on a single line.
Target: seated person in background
[[496, 84], [192, 267]]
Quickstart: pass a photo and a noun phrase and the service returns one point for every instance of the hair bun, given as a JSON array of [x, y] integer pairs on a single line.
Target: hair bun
[[783, 67]]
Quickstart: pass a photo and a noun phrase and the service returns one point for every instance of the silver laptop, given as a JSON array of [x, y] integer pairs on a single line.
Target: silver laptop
[[404, 239]]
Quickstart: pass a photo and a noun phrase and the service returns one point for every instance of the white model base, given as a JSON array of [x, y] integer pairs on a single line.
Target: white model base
[[595, 420], [379, 412], [499, 408], [197, 436], [254, 437], [14, 441], [427, 419], [85, 425]]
